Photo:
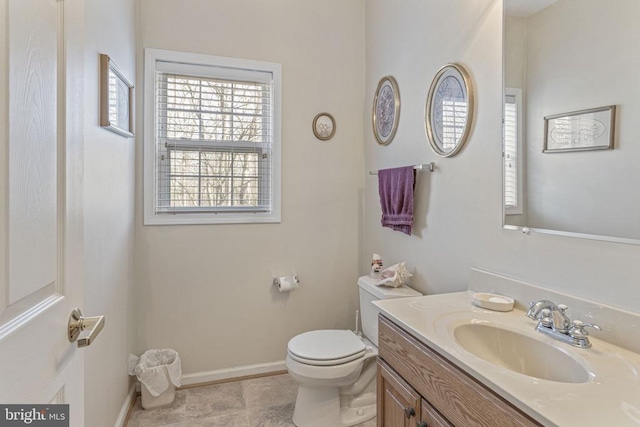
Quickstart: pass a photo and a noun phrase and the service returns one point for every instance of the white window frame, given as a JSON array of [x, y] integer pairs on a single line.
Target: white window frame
[[518, 209], [235, 67]]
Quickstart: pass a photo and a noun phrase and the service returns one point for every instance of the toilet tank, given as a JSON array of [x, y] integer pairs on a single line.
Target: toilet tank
[[369, 292]]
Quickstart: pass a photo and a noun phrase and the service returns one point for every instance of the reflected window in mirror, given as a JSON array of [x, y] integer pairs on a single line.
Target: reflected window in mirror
[[513, 151]]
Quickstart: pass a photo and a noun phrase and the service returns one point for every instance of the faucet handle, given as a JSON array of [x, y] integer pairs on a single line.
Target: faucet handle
[[578, 328], [545, 318], [579, 335], [562, 307], [535, 308]]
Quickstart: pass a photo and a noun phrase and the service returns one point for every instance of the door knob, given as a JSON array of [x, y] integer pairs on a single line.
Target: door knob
[[78, 323]]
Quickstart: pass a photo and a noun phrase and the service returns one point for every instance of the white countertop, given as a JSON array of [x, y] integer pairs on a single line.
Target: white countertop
[[611, 396]]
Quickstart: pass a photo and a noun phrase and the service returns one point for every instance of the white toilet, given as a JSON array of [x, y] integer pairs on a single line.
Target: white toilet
[[336, 370]]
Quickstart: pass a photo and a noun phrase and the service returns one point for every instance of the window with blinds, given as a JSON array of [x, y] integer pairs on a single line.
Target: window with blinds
[[512, 152], [215, 139], [454, 120]]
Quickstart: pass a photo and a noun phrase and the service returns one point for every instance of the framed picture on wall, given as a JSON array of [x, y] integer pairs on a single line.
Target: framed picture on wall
[[386, 110], [580, 131], [324, 126], [116, 99]]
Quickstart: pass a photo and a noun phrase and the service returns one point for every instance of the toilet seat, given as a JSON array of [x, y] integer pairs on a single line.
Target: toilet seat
[[326, 347]]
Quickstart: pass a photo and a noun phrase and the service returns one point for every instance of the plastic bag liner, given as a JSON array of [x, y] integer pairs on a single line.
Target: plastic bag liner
[[149, 368]]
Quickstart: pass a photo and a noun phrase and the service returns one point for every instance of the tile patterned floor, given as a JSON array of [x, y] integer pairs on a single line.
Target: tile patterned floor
[[259, 402]]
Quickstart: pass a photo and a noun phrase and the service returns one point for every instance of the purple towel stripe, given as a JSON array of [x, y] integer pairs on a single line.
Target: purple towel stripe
[[396, 197]]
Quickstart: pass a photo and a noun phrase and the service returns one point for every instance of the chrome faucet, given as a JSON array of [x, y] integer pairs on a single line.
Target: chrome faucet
[[554, 322], [536, 307], [551, 315]]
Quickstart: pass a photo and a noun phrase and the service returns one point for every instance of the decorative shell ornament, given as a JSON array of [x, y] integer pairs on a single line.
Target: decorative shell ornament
[[394, 276]]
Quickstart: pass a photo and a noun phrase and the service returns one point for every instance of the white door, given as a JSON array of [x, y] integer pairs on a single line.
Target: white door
[[41, 253]]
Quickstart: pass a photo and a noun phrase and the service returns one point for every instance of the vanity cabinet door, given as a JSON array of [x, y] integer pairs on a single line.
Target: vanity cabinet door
[[430, 417], [398, 403]]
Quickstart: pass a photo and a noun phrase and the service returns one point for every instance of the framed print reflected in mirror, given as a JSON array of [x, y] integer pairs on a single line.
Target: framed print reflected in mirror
[[584, 130], [116, 99]]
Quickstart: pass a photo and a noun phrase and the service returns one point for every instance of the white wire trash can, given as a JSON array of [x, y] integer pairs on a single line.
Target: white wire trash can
[[159, 372]]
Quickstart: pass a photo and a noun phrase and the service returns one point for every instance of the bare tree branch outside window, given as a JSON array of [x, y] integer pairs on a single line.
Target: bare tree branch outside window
[[216, 135]]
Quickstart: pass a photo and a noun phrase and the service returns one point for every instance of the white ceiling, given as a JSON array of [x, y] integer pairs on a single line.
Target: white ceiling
[[526, 8]]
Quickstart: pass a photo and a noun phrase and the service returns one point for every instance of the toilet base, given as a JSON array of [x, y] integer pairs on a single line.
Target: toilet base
[[321, 407], [339, 406]]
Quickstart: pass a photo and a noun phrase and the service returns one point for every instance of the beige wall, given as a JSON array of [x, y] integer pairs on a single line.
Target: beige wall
[[206, 290], [459, 215], [411, 40], [109, 217], [515, 51]]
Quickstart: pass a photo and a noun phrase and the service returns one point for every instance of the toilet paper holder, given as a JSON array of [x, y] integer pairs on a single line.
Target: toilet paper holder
[[276, 280]]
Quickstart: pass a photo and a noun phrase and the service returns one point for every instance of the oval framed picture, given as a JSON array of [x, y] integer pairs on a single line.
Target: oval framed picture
[[449, 110], [386, 110], [324, 126]]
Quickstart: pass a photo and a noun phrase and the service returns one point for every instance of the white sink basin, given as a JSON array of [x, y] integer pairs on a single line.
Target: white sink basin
[[519, 353]]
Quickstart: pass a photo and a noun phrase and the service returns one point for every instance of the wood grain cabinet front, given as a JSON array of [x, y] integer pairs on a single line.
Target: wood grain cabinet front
[[412, 375], [398, 402], [430, 417]]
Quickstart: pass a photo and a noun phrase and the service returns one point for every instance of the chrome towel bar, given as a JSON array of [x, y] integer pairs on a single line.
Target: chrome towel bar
[[424, 166]]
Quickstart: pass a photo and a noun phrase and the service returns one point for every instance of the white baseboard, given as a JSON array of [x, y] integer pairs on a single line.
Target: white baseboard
[[236, 372], [128, 401]]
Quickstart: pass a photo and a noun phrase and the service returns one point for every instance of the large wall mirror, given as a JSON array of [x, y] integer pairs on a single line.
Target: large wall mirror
[[563, 57]]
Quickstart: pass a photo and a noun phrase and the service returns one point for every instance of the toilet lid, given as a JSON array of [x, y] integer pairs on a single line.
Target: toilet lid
[[326, 347]]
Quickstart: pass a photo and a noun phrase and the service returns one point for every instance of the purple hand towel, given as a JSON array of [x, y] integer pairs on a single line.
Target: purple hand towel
[[396, 197]]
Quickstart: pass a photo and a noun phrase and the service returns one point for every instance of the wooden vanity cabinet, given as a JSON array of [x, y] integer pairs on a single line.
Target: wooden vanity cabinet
[[418, 387]]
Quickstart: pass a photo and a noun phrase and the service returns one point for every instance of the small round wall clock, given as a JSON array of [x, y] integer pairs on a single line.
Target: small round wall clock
[[386, 110], [324, 126]]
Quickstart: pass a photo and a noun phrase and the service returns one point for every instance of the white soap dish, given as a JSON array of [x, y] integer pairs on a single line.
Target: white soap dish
[[493, 302]]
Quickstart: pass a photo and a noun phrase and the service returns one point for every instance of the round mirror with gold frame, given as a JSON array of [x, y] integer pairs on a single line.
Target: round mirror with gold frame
[[449, 110]]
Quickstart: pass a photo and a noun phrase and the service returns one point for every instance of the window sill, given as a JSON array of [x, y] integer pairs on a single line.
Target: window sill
[[211, 219]]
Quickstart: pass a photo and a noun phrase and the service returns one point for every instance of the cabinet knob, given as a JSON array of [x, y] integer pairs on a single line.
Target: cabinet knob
[[422, 424], [409, 412]]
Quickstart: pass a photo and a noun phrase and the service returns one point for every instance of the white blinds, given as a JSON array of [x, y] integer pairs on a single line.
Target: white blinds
[[454, 120], [510, 152], [214, 139]]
